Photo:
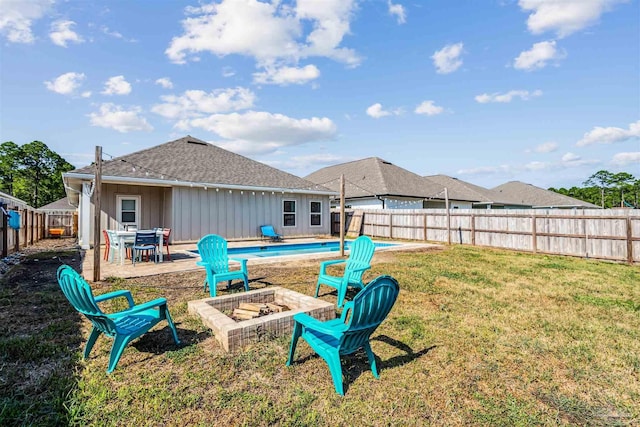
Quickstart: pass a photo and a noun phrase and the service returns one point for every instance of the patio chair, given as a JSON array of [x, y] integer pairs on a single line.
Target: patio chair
[[166, 232], [114, 244], [145, 241], [107, 245], [351, 332], [359, 261], [215, 260], [269, 233], [122, 326]]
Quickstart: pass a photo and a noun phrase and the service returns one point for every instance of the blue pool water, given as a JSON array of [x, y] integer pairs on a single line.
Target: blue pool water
[[282, 249]]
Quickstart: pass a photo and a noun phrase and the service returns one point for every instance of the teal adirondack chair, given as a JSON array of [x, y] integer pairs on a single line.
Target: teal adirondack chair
[[123, 326], [337, 337], [359, 261], [213, 251]]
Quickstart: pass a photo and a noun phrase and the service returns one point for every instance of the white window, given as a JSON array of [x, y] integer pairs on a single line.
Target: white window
[[128, 210], [288, 213], [315, 214]]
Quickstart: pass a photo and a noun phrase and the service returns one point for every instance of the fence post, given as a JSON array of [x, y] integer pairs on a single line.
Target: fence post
[[425, 227], [5, 233], [391, 226], [473, 229], [534, 232], [629, 241]]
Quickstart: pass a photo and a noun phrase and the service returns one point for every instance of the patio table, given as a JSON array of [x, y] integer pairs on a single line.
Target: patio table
[[124, 236]]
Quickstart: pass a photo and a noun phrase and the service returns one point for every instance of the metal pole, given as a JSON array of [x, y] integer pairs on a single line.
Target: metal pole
[[97, 214], [342, 218]]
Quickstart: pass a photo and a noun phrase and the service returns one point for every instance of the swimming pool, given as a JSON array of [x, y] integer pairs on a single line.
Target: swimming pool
[[283, 249]]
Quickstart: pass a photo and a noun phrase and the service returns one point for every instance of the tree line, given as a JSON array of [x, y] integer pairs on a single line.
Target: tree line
[[607, 189], [32, 172]]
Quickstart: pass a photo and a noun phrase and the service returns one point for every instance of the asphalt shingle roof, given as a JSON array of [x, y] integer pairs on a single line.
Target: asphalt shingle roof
[[462, 190], [193, 160], [59, 205], [376, 177], [536, 196]]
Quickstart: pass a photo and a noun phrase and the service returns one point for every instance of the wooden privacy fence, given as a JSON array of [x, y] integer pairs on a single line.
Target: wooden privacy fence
[[611, 234], [31, 226]]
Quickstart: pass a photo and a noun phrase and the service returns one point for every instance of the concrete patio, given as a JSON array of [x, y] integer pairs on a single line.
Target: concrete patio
[[184, 260]]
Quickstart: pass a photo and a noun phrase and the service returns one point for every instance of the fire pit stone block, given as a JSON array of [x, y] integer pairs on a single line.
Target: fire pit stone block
[[234, 335]]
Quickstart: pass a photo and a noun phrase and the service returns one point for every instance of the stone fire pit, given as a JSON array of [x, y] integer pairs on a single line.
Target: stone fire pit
[[234, 335]]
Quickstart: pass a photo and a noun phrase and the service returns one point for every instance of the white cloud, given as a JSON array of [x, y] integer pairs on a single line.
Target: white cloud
[[61, 33], [447, 59], [287, 75], [507, 96], [564, 16], [376, 111], [86, 94], [228, 72], [196, 103], [16, 18], [65, 84], [267, 31], [263, 132], [115, 34], [600, 135], [545, 147], [398, 11], [624, 159], [538, 56], [116, 85], [165, 82], [115, 117], [428, 108]]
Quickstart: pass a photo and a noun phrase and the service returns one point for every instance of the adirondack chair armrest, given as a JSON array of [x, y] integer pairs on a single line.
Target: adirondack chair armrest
[[325, 264], [242, 261], [322, 327], [121, 293], [141, 307], [202, 263]]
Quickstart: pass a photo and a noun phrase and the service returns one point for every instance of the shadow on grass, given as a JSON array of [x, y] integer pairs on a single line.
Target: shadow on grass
[[359, 363], [160, 341], [356, 364], [40, 343]]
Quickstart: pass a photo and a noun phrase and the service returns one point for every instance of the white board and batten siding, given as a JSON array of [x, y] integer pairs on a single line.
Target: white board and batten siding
[[239, 214], [611, 234]]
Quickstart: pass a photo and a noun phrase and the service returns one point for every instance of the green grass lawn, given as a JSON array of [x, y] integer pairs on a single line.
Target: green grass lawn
[[477, 337]]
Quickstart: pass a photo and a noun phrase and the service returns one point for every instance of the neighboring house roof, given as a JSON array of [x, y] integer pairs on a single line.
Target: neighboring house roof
[[59, 205], [13, 201], [375, 177], [461, 190], [192, 160], [539, 197]]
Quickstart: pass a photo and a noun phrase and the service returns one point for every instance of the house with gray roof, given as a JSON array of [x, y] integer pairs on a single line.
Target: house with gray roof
[[374, 183], [475, 196], [539, 198], [196, 188]]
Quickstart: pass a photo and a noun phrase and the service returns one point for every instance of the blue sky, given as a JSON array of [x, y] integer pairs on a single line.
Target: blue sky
[[542, 91]]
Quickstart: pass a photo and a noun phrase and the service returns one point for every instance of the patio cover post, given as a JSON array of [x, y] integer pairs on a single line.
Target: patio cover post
[[342, 219], [97, 215]]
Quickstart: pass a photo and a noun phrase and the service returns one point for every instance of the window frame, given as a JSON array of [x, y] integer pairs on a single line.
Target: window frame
[[294, 213], [312, 214], [138, 201]]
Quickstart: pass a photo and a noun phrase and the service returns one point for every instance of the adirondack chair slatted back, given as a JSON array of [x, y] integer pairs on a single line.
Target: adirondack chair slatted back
[[360, 254], [213, 250], [367, 311], [79, 294]]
